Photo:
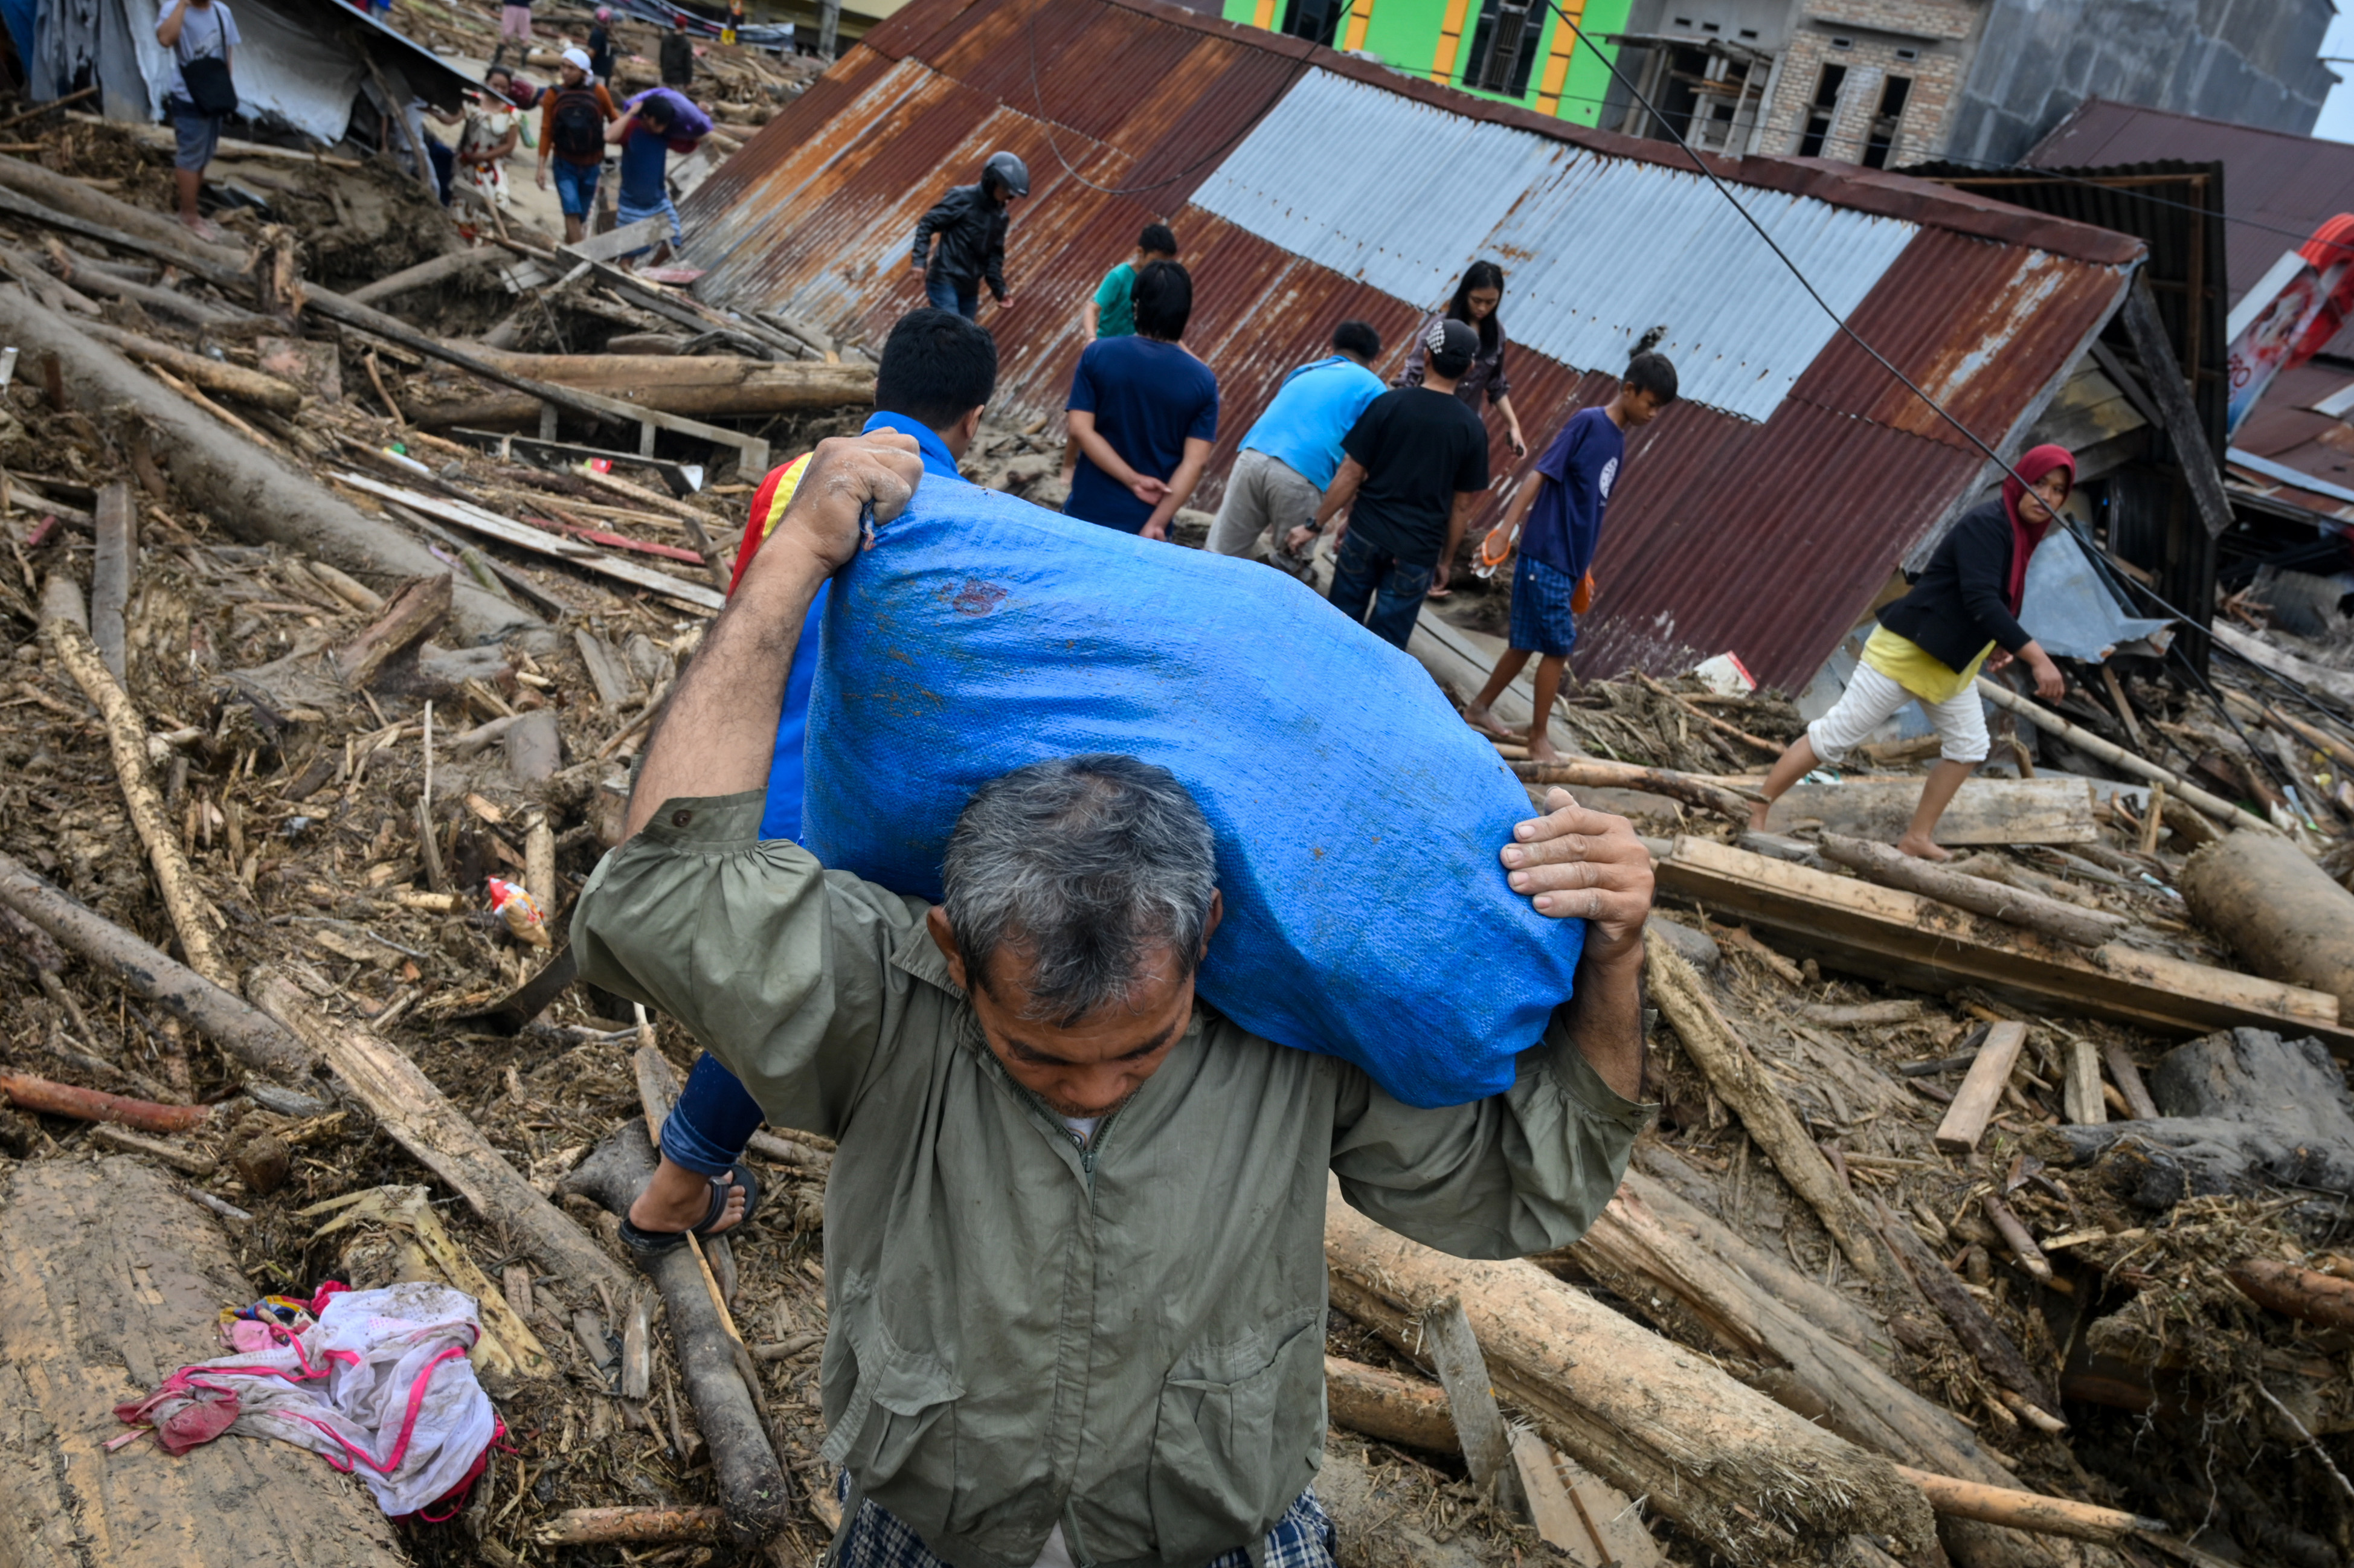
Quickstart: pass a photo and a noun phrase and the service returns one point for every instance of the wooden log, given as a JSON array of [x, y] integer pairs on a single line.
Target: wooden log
[[2016, 1236], [1979, 1334], [1381, 1404], [2333, 684], [156, 233], [212, 374], [34, 1094], [1650, 1418], [638, 1526], [436, 269], [2304, 1294], [192, 919], [239, 1030], [1892, 867], [421, 1120], [2029, 1511], [1984, 812], [116, 524], [2280, 912], [754, 1495], [2130, 1086], [85, 274], [1683, 998], [2116, 755], [1589, 774], [110, 1282], [256, 496], [416, 610], [1965, 1119], [1862, 1013], [1902, 938]]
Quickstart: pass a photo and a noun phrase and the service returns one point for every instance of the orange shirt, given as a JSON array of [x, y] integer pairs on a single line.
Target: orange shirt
[[548, 119]]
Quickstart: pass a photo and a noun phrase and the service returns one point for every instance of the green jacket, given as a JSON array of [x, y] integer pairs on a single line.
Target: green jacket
[[1128, 1337]]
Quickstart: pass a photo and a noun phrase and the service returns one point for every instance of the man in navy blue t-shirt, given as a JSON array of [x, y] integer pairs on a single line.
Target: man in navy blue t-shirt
[[1143, 411], [1562, 506]]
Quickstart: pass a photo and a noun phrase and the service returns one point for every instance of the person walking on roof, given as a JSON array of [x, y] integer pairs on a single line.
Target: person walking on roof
[[1143, 414], [938, 372], [1561, 508], [572, 121], [1416, 466], [1290, 456], [969, 225], [1962, 614], [1475, 303]]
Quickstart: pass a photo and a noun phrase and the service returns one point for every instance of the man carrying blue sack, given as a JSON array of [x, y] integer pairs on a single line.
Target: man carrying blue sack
[[1074, 1263]]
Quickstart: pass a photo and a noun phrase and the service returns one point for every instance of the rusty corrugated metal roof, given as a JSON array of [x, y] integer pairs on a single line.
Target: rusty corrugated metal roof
[[1760, 515]]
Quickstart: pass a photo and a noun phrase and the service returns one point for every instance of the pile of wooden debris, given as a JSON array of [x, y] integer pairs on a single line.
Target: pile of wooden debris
[[319, 616]]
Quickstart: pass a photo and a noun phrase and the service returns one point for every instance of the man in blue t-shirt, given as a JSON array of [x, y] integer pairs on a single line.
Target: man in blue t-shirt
[[1289, 457], [1561, 507], [1143, 411], [938, 371]]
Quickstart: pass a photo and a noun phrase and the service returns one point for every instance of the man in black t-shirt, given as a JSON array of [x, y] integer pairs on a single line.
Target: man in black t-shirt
[[1417, 467]]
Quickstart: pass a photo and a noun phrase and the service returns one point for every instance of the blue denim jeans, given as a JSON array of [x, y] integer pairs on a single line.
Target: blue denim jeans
[[1366, 574], [575, 185], [962, 295], [714, 1117]]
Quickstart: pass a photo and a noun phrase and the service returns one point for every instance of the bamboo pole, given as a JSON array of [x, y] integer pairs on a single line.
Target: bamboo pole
[[2029, 1510], [2091, 745]]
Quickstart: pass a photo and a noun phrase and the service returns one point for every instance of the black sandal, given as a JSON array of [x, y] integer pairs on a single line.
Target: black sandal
[[645, 1245]]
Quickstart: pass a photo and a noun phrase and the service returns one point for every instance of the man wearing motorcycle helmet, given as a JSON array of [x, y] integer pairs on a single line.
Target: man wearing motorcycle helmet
[[970, 224]]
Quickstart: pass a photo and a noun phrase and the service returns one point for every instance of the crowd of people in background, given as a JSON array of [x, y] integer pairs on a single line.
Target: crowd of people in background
[[1391, 476]]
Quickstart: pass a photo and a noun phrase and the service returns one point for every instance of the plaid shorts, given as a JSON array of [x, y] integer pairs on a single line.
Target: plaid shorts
[[1542, 620], [1302, 1538]]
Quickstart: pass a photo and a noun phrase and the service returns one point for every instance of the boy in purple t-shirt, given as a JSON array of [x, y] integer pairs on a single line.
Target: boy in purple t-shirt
[[1561, 507]]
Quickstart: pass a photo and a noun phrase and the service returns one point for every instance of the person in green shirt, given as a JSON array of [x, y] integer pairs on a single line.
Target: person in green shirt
[[1111, 313], [1074, 1230]]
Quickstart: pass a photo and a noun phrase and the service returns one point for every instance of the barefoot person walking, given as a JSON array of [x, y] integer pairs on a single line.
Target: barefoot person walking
[[1929, 645]]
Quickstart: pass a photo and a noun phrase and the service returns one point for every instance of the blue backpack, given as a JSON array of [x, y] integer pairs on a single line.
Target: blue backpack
[[1358, 818]]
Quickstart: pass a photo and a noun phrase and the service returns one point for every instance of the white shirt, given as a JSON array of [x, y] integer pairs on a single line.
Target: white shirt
[[204, 30]]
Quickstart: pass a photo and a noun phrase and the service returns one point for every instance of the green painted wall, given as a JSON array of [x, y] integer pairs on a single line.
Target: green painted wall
[[1405, 34]]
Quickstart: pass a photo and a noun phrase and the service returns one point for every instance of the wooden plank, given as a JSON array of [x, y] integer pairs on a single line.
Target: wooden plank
[[613, 242], [109, 1283], [2162, 374], [1985, 811], [524, 536], [1551, 1508], [2083, 1089], [1612, 1516], [1905, 940], [1479, 1424], [117, 526], [1981, 1091], [684, 479]]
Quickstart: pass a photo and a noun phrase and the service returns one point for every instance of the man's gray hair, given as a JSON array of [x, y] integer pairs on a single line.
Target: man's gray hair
[[1086, 866]]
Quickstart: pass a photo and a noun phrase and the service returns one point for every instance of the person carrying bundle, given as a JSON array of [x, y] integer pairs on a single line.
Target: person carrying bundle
[[1961, 615], [1075, 1255]]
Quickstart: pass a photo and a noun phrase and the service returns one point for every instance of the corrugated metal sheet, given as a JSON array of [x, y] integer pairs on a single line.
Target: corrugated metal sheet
[[1599, 249], [1760, 515]]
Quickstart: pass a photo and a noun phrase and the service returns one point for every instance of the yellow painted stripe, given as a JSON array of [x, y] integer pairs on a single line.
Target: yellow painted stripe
[[1360, 15], [1450, 41], [782, 496], [1266, 17], [1557, 58]]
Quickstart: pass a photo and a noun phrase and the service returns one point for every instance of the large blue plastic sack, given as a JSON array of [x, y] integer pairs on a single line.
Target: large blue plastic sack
[[1358, 818]]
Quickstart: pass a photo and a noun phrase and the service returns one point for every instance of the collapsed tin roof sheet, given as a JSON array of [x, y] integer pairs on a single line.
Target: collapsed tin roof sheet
[[1760, 515]]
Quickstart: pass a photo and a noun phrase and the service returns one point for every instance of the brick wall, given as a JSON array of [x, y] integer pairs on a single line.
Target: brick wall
[[1937, 35]]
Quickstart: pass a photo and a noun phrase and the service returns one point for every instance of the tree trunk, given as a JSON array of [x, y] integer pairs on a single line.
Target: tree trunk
[[207, 375], [2279, 911], [696, 388], [1895, 868], [1381, 1404], [1736, 1470], [109, 1283], [253, 493]]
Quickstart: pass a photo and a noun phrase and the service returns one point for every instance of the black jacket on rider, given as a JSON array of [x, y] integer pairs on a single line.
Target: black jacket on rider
[[970, 226]]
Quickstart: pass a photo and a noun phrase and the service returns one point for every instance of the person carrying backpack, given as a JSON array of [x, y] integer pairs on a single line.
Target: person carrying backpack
[[572, 121], [200, 95]]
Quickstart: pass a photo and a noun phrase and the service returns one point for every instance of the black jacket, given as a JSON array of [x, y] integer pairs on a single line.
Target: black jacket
[[971, 231], [677, 60], [1955, 607]]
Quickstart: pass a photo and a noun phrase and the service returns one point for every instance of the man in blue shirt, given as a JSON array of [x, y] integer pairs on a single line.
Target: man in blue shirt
[[1562, 506], [938, 371], [1291, 454], [1143, 411], [656, 124]]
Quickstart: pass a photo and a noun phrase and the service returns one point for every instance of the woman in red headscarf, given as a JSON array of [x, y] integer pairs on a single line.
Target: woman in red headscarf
[[1962, 614]]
